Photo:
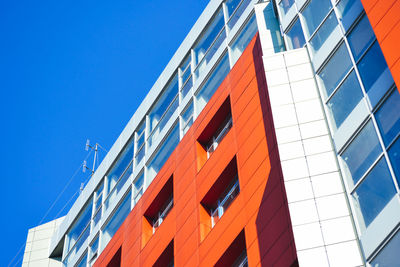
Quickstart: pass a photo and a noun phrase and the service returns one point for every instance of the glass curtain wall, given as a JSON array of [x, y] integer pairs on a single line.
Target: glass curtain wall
[[353, 78]]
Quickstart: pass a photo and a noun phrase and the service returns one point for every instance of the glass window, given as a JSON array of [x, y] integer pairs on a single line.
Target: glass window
[[161, 156], [314, 13], [163, 102], [83, 261], [285, 5], [374, 192], [323, 33], [212, 83], [295, 36], [394, 155], [335, 70], [231, 6], [138, 187], [372, 66], [79, 226], [344, 100], [117, 188], [208, 37], [243, 39], [388, 117], [349, 11], [239, 11], [93, 251], [358, 156], [389, 256], [361, 37], [225, 200], [187, 118], [119, 166], [117, 219]]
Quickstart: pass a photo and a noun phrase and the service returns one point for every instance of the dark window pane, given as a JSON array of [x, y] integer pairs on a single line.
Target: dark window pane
[[359, 156], [335, 70], [388, 117], [389, 256], [344, 100], [361, 37], [374, 192], [371, 66], [295, 36]]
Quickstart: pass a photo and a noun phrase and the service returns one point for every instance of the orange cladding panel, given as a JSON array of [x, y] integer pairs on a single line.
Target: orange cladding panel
[[385, 20], [260, 210]]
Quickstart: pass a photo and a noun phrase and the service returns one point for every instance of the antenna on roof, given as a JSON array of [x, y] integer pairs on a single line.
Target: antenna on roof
[[96, 151]]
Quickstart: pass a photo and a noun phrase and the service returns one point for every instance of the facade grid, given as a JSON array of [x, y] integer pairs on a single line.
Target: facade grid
[[271, 138]]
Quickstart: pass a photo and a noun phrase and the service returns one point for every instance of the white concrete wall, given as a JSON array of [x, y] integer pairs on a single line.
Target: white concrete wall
[[38, 244], [321, 217]]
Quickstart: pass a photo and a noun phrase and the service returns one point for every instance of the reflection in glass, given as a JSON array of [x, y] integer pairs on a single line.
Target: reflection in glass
[[388, 117], [285, 5], [323, 33], [295, 36], [389, 256], [117, 219], [344, 100], [374, 192], [231, 5], [361, 37], [244, 38], [314, 13], [372, 66], [335, 70], [187, 118], [358, 156], [212, 83], [161, 156]]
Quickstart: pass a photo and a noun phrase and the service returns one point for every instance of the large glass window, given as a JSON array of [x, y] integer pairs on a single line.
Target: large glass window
[[140, 136], [349, 11], [120, 166], [79, 226], [374, 192], [231, 6], [117, 219], [323, 33], [295, 36], [345, 99], [187, 119], [314, 13], [388, 117], [138, 188], [372, 66], [208, 37], [394, 155], [243, 39], [168, 145], [162, 109], [361, 37], [212, 83], [389, 256], [335, 70], [285, 5], [358, 156]]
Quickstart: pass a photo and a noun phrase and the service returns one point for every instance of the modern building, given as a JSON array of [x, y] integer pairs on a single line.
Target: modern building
[[271, 138]]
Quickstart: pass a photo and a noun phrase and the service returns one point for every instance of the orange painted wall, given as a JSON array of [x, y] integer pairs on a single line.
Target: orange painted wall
[[261, 207], [384, 16]]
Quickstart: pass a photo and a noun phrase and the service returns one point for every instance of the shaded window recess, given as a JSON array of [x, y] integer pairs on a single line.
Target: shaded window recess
[[116, 260], [236, 254], [161, 206], [222, 193], [214, 132], [166, 258]]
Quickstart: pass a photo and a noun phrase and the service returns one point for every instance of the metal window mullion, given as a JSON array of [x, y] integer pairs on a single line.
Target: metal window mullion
[[320, 25]]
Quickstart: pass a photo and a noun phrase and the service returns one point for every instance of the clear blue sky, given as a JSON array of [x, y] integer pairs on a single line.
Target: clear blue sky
[[72, 70]]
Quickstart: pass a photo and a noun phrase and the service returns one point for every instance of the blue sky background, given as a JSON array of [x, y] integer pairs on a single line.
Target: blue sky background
[[72, 70]]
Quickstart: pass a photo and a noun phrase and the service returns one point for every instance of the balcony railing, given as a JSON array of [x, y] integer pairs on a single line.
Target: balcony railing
[[219, 136], [162, 214], [225, 203]]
